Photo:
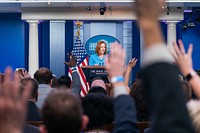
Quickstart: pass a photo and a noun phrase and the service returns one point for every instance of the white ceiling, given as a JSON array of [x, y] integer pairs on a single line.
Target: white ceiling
[[16, 5]]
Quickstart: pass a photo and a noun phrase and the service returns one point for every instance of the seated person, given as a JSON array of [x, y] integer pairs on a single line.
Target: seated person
[[54, 82], [62, 113], [44, 78], [22, 72], [139, 93], [97, 89], [99, 108], [98, 86], [64, 80], [98, 58], [33, 113]]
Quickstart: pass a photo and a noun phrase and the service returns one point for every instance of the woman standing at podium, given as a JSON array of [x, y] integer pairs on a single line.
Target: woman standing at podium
[[98, 58]]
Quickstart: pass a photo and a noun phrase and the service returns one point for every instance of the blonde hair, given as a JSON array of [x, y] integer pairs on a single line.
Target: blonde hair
[[193, 107]]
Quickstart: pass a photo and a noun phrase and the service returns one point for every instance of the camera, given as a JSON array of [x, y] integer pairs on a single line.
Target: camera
[[102, 10]]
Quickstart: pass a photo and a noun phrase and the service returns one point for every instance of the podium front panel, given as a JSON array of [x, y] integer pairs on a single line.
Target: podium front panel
[[93, 72]]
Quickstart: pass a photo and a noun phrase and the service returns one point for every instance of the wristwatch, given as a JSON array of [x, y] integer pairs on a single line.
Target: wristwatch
[[73, 68], [190, 75]]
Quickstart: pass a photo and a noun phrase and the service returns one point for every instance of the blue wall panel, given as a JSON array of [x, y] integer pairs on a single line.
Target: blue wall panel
[[26, 37], [69, 40], [44, 44], [57, 47], [136, 48], [12, 41], [164, 30]]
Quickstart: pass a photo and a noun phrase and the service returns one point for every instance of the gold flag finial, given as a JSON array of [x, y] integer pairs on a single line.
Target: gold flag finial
[[78, 24]]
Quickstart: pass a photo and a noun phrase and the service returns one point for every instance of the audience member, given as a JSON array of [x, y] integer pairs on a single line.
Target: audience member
[[62, 113], [64, 80], [128, 70], [33, 113], [124, 109], [98, 81], [97, 89], [139, 93], [99, 109], [98, 86], [159, 75], [183, 60], [76, 83], [54, 82], [23, 73], [12, 104], [44, 78]]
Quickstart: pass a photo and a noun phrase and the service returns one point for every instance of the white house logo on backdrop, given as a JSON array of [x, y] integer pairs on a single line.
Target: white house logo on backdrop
[[91, 43]]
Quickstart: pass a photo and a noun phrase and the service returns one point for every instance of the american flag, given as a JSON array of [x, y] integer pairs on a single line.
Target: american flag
[[82, 60]]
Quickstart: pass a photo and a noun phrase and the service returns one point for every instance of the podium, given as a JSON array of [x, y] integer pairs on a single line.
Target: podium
[[92, 72]]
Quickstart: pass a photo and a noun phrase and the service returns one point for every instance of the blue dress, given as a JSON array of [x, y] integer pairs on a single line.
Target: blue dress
[[95, 60]]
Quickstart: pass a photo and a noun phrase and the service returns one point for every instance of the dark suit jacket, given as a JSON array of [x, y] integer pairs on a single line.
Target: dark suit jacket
[[169, 111], [76, 83], [125, 115], [168, 104], [33, 113], [30, 129]]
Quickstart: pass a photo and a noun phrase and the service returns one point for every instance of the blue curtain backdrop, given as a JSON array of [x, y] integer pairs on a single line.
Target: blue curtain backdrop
[[164, 30], [44, 44], [135, 48], [26, 38], [12, 41], [69, 40]]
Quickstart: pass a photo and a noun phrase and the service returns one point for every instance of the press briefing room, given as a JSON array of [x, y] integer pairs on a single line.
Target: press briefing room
[[55, 34]]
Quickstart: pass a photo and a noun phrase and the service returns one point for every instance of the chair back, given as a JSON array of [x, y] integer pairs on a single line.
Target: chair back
[[141, 126]]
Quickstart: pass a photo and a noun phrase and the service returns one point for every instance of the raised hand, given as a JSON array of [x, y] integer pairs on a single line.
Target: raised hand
[[145, 11], [182, 58], [148, 12], [72, 60], [12, 104], [115, 61], [26, 74], [132, 63]]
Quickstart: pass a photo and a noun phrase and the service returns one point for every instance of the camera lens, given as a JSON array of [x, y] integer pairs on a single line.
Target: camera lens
[[102, 10]]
